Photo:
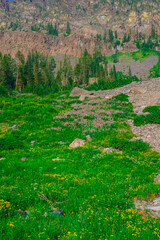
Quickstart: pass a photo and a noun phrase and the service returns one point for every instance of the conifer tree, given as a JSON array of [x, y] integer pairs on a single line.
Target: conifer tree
[[153, 32], [116, 36], [7, 71], [111, 37], [68, 29], [114, 73]]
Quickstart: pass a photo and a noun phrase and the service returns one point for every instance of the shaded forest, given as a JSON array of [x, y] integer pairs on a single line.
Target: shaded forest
[[37, 74]]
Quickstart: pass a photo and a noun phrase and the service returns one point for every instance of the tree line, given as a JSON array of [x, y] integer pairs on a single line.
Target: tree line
[[37, 72]]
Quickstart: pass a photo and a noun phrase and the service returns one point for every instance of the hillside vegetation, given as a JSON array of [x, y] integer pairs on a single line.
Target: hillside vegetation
[[52, 191]]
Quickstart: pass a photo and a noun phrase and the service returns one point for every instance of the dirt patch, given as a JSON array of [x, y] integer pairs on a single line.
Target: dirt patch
[[140, 69], [150, 96]]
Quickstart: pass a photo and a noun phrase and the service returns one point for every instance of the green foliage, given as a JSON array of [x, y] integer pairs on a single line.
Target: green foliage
[[147, 45], [105, 36], [115, 60], [151, 109], [153, 32], [121, 97], [116, 43], [95, 189], [68, 29], [11, 141], [119, 81], [126, 145], [153, 117], [111, 37], [35, 28], [116, 35], [52, 30], [7, 73], [95, 6], [155, 71], [23, 74], [4, 90], [98, 37], [14, 26], [126, 38], [78, 7]]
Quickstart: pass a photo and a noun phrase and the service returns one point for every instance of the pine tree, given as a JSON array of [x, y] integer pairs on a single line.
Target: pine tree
[[20, 79], [68, 29], [106, 69], [114, 73], [29, 71], [111, 37], [77, 73], [153, 32], [7, 71], [116, 36], [129, 72], [36, 69], [105, 36], [58, 79]]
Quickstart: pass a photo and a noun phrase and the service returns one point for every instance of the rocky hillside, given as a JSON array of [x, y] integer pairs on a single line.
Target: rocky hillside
[[11, 42], [27, 25], [85, 16]]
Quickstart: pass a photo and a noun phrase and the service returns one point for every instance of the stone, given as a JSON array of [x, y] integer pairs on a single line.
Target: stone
[[153, 206], [23, 159], [33, 142], [58, 159], [14, 127], [108, 96], [82, 98], [63, 143], [88, 137], [77, 143], [138, 90], [61, 212], [56, 128], [101, 148], [158, 102], [103, 17], [80, 91], [157, 179], [109, 150]]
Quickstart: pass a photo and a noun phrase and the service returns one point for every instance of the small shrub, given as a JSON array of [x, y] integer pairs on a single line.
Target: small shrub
[[121, 97], [126, 145], [14, 140], [153, 117]]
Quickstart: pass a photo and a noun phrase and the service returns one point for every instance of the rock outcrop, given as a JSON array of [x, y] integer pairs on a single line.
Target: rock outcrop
[[74, 45]]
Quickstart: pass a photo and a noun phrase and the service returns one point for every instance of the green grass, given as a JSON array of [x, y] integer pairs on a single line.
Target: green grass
[[96, 190], [140, 55]]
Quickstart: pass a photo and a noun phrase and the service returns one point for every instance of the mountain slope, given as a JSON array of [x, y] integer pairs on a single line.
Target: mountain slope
[[86, 17]]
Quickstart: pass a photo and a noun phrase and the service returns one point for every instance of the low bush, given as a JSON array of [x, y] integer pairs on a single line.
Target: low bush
[[153, 117]]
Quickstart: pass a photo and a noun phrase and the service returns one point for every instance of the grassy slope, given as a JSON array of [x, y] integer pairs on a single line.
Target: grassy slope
[[95, 189]]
